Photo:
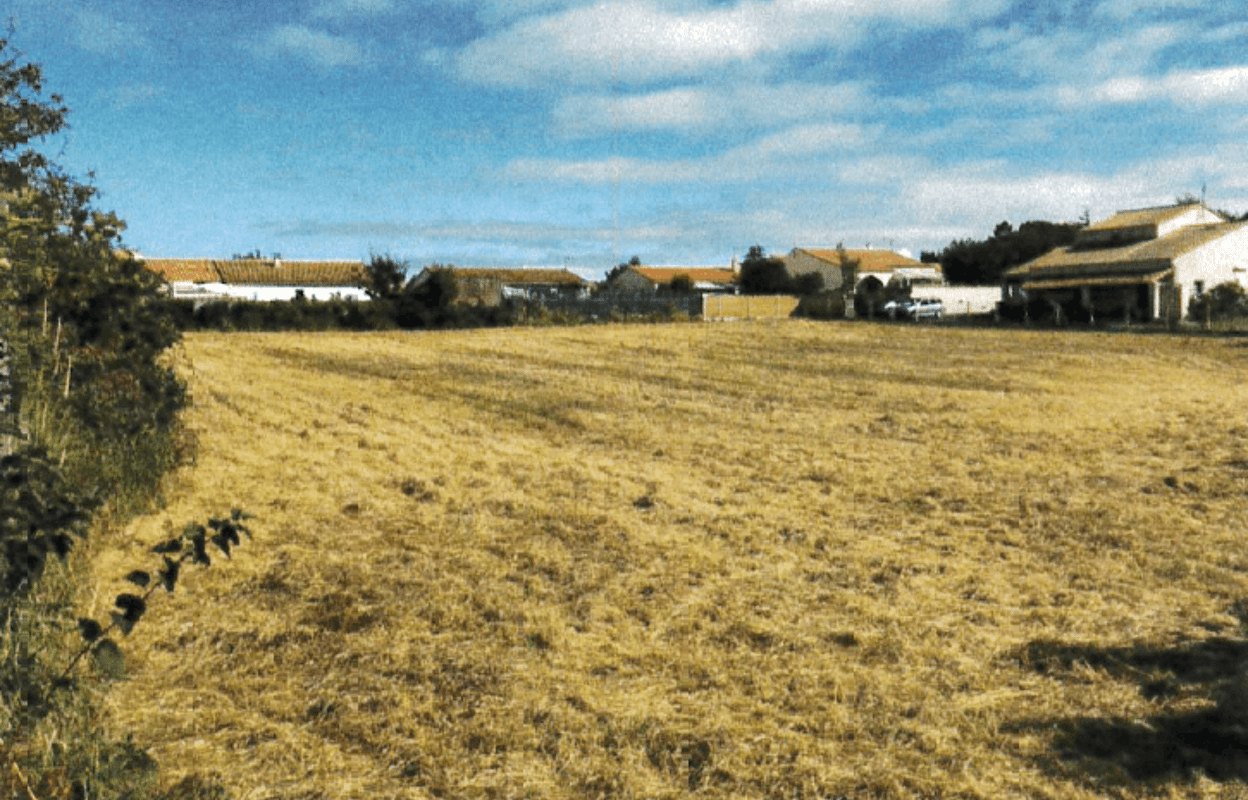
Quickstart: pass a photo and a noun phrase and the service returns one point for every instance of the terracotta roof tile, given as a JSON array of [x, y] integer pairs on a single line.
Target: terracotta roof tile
[[868, 260], [520, 276], [253, 272], [198, 270], [666, 275]]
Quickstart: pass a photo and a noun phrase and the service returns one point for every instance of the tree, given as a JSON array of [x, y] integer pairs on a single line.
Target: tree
[[761, 274], [681, 284], [384, 276], [967, 261], [620, 268], [427, 301], [1223, 301]]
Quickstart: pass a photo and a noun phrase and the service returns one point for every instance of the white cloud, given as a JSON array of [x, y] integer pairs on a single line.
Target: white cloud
[[1122, 10], [135, 94], [1223, 86], [100, 33], [704, 109], [313, 46], [790, 152], [344, 9], [1080, 55], [643, 41]]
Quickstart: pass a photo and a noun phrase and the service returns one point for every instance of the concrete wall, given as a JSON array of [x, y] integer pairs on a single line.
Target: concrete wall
[[721, 307], [962, 299]]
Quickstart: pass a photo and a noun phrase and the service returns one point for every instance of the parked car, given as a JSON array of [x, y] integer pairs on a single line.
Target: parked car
[[914, 308], [925, 309]]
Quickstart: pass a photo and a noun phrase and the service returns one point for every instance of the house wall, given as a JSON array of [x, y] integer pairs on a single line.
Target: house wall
[[1221, 261], [276, 293], [799, 263], [962, 299], [1198, 215]]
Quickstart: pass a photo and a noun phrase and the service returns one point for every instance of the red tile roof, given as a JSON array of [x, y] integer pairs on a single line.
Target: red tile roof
[[251, 272], [199, 270], [664, 275], [518, 277], [869, 260]]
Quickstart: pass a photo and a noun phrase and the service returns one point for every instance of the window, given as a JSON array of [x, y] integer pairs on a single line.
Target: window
[[1200, 287]]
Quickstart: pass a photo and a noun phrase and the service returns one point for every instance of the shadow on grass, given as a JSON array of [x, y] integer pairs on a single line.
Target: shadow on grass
[[1212, 740]]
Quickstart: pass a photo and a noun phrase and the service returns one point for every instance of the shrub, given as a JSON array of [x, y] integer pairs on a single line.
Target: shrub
[[1224, 301]]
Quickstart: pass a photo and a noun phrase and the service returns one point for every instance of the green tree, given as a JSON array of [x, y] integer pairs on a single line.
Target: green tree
[[1224, 301], [384, 277], [681, 284], [619, 268], [763, 274], [428, 300], [967, 261]]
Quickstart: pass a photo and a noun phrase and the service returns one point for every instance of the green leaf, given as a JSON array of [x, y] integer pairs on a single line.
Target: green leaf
[[139, 578], [90, 629], [109, 660]]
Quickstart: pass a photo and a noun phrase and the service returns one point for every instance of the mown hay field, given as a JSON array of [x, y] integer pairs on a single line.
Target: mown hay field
[[786, 560]]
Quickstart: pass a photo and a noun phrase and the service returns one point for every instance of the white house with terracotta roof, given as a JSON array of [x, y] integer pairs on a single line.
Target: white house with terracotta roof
[[705, 280], [1143, 263], [259, 279], [836, 264]]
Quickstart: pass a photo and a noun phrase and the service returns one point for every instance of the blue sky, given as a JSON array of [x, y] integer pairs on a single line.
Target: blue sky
[[561, 132]]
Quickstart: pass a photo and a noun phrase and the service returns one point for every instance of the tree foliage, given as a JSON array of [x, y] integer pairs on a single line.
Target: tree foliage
[[1224, 301], [763, 274], [967, 261], [618, 269]]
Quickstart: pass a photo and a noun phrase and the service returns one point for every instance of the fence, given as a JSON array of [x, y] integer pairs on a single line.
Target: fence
[[720, 306]]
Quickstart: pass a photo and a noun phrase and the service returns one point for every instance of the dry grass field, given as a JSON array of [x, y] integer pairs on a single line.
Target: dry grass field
[[788, 561]]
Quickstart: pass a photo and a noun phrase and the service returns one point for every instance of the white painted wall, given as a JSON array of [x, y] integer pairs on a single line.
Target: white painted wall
[[272, 293], [1223, 260], [962, 299]]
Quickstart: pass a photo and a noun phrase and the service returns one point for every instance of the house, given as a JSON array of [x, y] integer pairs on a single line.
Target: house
[[838, 266], [1143, 264], [490, 286], [259, 279], [188, 278], [705, 280]]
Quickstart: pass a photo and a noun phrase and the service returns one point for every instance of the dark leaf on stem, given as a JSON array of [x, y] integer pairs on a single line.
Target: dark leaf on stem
[[131, 605], [171, 546], [108, 658], [90, 629], [139, 578], [169, 575], [123, 623]]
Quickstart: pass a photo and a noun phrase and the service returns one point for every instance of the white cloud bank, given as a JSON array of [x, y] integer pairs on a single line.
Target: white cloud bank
[[638, 42]]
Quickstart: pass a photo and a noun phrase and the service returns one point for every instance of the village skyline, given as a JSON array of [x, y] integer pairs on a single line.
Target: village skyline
[[567, 134]]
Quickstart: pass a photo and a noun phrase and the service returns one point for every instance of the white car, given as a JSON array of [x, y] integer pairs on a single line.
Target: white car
[[925, 309], [914, 308]]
